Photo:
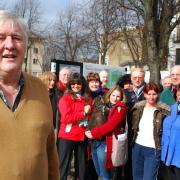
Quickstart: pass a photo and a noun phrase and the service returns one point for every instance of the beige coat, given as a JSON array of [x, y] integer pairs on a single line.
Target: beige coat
[[27, 141]]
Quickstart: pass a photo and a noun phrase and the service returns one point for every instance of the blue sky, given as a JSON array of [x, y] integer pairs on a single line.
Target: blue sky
[[50, 8]]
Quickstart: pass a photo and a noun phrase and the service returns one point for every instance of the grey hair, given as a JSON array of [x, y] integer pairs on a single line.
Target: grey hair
[[65, 68], [102, 72], [175, 67], [7, 15]]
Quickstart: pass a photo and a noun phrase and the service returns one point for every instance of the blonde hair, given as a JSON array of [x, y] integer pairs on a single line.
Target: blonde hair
[[46, 77], [111, 90]]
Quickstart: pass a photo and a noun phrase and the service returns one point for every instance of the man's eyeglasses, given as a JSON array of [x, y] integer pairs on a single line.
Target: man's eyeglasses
[[137, 78], [177, 75]]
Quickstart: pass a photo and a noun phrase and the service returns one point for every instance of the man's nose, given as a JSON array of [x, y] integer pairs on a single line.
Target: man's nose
[[9, 44]]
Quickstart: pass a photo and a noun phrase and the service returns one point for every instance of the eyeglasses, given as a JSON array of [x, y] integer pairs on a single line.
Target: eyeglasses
[[177, 75], [137, 78], [73, 83]]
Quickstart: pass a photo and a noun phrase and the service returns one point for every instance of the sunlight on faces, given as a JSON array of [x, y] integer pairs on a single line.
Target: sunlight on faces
[[137, 78], [166, 82], [94, 85], [76, 86], [103, 77], [151, 97], [12, 46], [115, 96], [175, 75], [64, 76]]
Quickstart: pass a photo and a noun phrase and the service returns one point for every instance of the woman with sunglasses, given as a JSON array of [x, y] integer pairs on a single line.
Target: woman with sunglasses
[[75, 109]]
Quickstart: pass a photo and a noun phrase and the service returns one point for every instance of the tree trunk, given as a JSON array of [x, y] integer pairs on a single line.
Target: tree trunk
[[154, 72], [152, 44], [102, 59], [26, 59]]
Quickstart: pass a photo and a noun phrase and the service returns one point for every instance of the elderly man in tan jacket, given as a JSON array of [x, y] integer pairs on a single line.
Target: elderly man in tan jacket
[[27, 139]]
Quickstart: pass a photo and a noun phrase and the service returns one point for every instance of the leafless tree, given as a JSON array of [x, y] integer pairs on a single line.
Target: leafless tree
[[160, 17], [130, 26], [30, 11], [51, 50], [68, 35], [102, 22]]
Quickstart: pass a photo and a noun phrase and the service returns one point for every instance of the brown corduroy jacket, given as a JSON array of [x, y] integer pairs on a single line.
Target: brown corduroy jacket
[[161, 111]]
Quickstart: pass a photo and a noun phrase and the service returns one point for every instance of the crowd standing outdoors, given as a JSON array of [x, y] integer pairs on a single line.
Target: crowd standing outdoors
[[84, 114]]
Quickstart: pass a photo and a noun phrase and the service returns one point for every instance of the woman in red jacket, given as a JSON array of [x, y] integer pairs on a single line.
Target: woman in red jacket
[[102, 135], [75, 110]]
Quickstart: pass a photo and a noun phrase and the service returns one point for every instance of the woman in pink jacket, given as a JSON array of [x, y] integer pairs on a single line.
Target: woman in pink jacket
[[102, 135], [75, 109]]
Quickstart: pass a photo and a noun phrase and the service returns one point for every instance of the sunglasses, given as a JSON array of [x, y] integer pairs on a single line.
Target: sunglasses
[[76, 82]]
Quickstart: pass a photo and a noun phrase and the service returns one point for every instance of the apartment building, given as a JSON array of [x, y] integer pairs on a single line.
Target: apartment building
[[126, 49], [174, 48], [34, 55]]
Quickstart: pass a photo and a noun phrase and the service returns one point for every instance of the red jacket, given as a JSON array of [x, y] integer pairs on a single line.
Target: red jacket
[[72, 111], [116, 118]]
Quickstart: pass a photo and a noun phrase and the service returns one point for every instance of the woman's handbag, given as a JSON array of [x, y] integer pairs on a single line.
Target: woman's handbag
[[119, 154]]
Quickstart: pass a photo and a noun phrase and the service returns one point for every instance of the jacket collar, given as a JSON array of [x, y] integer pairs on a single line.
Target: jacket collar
[[160, 106]]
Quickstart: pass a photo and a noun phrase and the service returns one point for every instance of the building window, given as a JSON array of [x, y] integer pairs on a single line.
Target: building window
[[35, 50], [177, 56], [35, 61], [178, 32], [35, 74]]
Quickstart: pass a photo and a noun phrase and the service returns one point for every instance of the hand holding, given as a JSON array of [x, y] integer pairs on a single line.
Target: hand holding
[[87, 109], [88, 134]]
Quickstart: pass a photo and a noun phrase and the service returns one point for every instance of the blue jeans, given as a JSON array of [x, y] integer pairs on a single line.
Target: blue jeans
[[145, 162], [99, 157]]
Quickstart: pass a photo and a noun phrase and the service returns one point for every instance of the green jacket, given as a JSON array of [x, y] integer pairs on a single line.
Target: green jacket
[[167, 97]]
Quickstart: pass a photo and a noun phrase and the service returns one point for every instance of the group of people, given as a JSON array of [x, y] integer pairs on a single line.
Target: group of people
[[153, 127], [44, 123], [90, 115], [76, 108]]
